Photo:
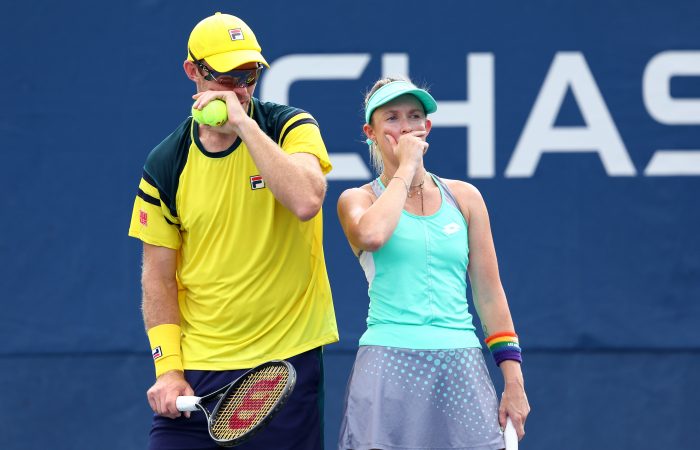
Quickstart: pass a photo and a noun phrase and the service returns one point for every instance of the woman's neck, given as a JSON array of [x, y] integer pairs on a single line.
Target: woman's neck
[[418, 177]]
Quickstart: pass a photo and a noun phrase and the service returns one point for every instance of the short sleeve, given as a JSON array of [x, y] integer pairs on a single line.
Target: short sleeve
[[301, 134], [151, 221]]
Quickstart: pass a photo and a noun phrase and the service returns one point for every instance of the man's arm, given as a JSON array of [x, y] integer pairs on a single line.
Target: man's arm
[[159, 285], [160, 307], [296, 180]]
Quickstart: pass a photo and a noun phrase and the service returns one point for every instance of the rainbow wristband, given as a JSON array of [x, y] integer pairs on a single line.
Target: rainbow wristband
[[165, 347], [504, 346]]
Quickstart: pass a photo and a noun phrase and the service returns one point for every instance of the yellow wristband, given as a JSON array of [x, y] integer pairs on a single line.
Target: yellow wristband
[[165, 347]]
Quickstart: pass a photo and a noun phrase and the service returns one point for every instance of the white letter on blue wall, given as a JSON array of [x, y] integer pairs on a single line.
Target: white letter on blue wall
[[599, 135], [477, 114], [672, 111]]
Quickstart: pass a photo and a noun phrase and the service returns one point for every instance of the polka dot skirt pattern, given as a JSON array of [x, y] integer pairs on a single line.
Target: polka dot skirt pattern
[[420, 399]]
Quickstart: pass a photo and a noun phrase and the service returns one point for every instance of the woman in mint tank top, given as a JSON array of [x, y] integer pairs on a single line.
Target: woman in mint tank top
[[419, 380]]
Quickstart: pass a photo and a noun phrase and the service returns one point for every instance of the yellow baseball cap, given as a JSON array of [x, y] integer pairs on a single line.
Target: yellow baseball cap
[[225, 42]]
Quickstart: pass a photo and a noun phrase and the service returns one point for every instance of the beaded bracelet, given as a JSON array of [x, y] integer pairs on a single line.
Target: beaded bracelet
[[504, 346]]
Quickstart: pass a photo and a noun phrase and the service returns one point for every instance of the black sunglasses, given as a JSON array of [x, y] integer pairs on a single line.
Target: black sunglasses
[[239, 78]]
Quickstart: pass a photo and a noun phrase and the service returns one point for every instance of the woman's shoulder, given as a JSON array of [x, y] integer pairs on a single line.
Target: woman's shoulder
[[359, 190], [462, 190], [468, 197], [359, 193]]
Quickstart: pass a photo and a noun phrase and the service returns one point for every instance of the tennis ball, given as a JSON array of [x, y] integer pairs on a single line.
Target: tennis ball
[[213, 114]]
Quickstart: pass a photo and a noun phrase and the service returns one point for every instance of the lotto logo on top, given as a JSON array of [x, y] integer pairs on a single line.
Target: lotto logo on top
[[451, 228], [236, 34], [257, 182]]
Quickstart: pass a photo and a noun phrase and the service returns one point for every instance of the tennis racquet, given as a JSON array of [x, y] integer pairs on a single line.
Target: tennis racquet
[[244, 406], [510, 436]]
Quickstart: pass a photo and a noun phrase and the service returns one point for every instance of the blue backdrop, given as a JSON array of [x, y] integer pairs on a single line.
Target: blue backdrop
[[578, 121]]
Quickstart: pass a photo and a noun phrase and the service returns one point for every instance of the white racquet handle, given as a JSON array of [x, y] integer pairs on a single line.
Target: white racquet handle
[[187, 402], [510, 436]]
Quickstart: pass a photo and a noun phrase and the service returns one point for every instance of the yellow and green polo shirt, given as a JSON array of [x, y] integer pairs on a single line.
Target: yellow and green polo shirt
[[252, 277]]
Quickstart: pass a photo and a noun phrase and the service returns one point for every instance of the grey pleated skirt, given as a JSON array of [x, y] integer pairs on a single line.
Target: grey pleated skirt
[[402, 399]]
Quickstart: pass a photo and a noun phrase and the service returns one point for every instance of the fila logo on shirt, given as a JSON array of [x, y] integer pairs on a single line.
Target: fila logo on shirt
[[257, 182], [143, 217], [451, 228]]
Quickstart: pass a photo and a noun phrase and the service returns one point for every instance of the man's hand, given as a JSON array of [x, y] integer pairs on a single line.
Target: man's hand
[[235, 103], [164, 392]]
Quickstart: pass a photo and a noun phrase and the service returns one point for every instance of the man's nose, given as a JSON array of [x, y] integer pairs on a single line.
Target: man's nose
[[241, 93], [241, 90]]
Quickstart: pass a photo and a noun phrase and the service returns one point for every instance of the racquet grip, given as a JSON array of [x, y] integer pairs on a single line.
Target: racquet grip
[[510, 436], [187, 402]]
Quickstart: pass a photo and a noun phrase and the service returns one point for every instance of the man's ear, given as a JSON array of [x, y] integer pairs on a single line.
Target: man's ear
[[191, 70]]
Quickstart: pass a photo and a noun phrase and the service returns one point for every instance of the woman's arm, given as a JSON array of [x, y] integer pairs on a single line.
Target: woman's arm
[[490, 298], [369, 224]]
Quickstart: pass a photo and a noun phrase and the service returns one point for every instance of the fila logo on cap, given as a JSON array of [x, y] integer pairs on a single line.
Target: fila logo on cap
[[257, 182], [236, 34]]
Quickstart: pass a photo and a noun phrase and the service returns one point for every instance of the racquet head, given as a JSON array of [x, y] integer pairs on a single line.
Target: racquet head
[[250, 402]]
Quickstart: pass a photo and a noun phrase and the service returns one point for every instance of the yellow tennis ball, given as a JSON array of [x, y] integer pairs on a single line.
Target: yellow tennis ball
[[213, 114]]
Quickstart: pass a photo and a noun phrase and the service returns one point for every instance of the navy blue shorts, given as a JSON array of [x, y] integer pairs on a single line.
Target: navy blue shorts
[[298, 426]]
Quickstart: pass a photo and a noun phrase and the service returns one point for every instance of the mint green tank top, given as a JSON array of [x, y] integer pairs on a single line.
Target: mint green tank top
[[418, 281]]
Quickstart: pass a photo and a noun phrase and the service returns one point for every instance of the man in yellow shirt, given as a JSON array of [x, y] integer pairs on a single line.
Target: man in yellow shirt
[[233, 266]]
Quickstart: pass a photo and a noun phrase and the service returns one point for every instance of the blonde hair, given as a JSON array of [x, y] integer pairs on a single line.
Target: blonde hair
[[375, 156]]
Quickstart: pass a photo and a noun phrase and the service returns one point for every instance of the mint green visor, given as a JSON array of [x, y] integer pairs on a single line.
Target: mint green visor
[[395, 89]]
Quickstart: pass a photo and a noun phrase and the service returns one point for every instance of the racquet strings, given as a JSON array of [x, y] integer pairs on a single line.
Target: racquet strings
[[247, 405]]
